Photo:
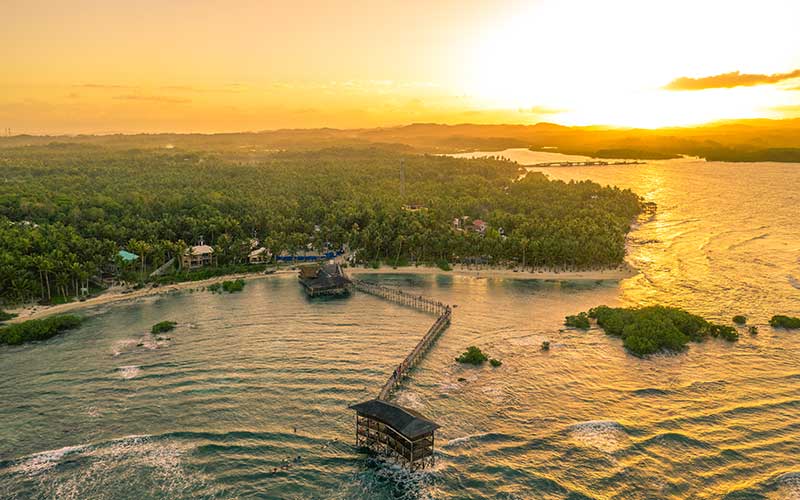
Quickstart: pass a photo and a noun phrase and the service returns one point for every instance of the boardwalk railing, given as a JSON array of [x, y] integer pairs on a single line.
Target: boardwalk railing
[[395, 295], [443, 311], [399, 373]]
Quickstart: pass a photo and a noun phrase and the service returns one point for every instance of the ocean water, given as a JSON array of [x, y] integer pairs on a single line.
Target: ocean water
[[248, 397]]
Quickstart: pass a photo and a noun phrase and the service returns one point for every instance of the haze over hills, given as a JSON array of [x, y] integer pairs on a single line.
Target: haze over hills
[[741, 140]]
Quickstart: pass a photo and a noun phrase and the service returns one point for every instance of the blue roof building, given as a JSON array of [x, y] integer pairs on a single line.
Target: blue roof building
[[126, 256]]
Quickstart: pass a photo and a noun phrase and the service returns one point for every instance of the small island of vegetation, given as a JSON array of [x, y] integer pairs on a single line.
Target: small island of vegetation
[[648, 330], [739, 319], [781, 321], [37, 329], [163, 327], [227, 286], [473, 356]]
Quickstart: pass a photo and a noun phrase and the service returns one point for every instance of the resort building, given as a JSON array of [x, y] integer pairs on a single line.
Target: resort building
[[197, 256], [395, 432], [324, 280], [259, 256]]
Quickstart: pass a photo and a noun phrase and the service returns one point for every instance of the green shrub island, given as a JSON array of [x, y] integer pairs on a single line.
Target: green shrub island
[[648, 330], [227, 286], [495, 362], [753, 330], [580, 320], [473, 356], [38, 329], [739, 319], [546, 345], [163, 327], [780, 321]]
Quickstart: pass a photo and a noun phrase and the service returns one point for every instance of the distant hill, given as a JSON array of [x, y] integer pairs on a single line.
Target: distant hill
[[743, 140]]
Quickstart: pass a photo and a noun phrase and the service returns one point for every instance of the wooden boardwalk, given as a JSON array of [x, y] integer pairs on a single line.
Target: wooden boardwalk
[[443, 312]]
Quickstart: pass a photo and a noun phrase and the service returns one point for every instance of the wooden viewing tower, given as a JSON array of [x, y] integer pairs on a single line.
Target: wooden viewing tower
[[396, 432]]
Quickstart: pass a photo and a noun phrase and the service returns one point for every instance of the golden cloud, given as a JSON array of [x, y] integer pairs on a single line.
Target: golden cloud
[[729, 80]]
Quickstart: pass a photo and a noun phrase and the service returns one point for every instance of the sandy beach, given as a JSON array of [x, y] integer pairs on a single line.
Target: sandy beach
[[121, 294], [621, 273]]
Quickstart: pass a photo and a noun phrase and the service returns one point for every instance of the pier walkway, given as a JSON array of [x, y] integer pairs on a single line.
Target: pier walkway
[[443, 312]]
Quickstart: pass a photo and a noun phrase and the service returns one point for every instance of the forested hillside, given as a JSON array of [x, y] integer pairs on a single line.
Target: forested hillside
[[65, 210], [740, 140]]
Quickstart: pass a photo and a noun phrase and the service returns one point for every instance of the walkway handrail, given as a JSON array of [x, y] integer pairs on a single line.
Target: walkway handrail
[[443, 311], [397, 295], [416, 354]]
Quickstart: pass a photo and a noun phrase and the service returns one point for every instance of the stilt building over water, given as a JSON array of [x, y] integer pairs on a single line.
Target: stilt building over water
[[324, 280], [396, 432]]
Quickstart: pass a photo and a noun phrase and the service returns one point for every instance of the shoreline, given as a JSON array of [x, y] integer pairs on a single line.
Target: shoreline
[[623, 272], [116, 295]]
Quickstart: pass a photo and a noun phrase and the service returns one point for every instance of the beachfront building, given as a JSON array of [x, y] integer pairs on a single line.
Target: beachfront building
[[324, 280], [397, 433], [111, 270], [197, 256], [259, 255]]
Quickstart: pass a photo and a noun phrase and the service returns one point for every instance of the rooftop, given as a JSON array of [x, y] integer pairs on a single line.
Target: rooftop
[[257, 252], [407, 422], [320, 278], [199, 250], [127, 256]]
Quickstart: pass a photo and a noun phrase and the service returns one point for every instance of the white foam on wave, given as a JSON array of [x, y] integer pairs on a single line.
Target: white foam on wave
[[122, 346], [789, 486], [411, 485], [463, 440], [104, 466], [129, 372], [605, 435], [148, 342], [411, 400], [43, 461]]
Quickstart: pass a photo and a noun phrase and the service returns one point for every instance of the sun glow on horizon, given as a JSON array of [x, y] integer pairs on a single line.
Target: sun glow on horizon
[[607, 62]]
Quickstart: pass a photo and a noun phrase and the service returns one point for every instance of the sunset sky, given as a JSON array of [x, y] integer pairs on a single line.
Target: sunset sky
[[146, 66]]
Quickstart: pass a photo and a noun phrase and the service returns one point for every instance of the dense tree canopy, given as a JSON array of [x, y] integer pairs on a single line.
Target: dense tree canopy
[[648, 330], [66, 209]]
